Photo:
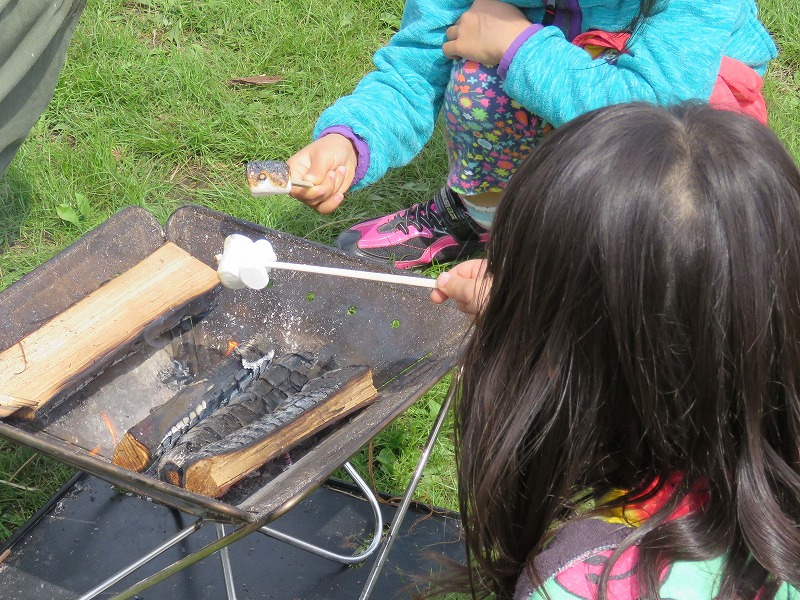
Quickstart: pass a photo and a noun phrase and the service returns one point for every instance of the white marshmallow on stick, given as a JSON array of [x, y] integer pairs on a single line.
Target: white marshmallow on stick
[[253, 271], [245, 263], [235, 250], [270, 177]]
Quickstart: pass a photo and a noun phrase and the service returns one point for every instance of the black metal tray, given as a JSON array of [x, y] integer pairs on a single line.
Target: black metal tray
[[410, 343]]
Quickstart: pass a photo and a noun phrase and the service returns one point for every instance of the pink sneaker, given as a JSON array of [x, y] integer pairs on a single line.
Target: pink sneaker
[[438, 230]]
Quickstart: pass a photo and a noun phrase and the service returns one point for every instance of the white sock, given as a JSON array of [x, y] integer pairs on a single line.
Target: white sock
[[482, 215]]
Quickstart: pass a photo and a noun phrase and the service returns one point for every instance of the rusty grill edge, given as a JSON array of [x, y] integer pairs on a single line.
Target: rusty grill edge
[[409, 342]]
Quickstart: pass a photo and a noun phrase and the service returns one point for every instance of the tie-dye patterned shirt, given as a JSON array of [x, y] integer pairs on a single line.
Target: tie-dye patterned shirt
[[573, 562]]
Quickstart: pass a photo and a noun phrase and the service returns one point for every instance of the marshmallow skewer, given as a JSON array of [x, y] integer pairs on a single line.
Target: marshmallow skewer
[[301, 183], [245, 263], [425, 282]]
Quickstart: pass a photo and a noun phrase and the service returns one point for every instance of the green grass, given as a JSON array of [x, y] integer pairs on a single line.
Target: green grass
[[144, 115], [27, 480]]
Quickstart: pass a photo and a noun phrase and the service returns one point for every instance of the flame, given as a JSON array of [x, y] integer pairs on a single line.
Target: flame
[[110, 426], [94, 451], [231, 345]]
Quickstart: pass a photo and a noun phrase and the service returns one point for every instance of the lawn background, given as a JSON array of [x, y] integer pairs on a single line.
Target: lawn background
[[144, 114]]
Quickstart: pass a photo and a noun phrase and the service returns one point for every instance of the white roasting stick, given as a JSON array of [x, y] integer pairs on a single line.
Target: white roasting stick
[[302, 184], [425, 282], [245, 263]]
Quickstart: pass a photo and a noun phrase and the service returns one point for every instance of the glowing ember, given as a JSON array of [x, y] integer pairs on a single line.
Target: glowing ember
[[110, 426], [231, 345]]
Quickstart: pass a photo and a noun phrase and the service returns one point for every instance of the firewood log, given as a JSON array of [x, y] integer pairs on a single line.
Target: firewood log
[[322, 402], [77, 344], [284, 377], [159, 430]]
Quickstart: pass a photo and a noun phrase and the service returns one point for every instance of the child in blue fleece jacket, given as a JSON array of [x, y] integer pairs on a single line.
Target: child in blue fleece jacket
[[502, 74]]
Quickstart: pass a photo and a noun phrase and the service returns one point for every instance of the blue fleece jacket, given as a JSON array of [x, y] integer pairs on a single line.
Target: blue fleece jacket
[[675, 55]]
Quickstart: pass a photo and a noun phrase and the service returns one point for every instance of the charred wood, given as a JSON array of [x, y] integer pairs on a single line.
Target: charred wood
[[76, 345], [323, 401], [159, 430], [284, 377]]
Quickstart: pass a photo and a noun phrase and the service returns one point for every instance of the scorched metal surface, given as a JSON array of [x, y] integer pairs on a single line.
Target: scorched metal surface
[[410, 343]]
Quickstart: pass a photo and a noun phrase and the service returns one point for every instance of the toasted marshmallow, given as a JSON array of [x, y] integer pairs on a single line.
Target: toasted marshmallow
[[268, 177]]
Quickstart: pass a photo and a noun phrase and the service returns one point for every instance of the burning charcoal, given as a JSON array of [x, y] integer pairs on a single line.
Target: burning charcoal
[[271, 400], [186, 354], [297, 379], [157, 432], [242, 413], [324, 400], [282, 378], [277, 376]]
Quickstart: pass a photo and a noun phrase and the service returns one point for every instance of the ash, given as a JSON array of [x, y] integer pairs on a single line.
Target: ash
[[176, 375]]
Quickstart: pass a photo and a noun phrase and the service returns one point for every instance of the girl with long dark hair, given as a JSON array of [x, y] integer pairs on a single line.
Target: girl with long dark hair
[[628, 412]]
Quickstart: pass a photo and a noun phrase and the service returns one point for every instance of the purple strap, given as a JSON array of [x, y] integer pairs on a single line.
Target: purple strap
[[361, 147], [509, 54]]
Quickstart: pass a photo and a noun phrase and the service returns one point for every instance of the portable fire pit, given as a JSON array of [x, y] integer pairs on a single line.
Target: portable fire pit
[[409, 342]]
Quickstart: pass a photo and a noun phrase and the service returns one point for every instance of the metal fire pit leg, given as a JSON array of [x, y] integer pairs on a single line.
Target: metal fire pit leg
[[227, 571], [184, 533], [222, 543], [345, 559], [412, 486], [189, 560]]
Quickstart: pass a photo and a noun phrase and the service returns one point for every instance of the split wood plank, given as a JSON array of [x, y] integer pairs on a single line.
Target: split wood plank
[[67, 350], [324, 401]]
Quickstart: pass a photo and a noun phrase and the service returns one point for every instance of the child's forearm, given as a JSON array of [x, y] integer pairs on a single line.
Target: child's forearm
[[394, 108]]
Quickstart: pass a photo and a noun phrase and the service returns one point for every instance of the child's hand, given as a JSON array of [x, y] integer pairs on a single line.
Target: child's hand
[[466, 284], [485, 31], [329, 163]]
